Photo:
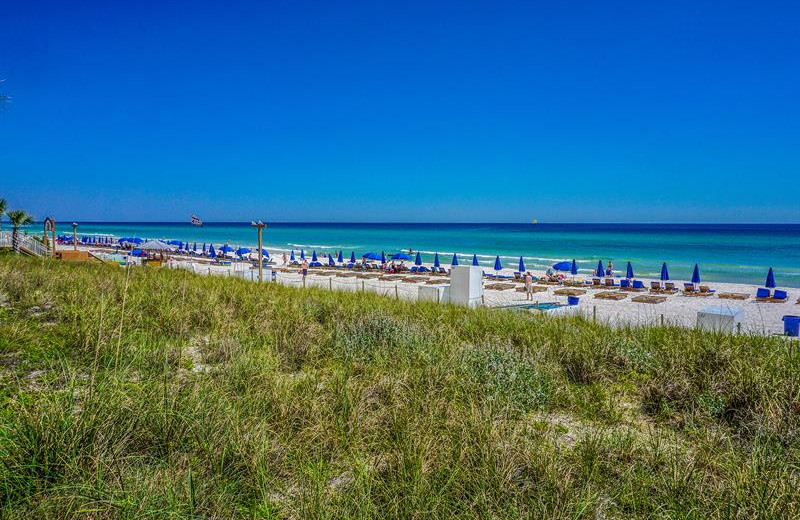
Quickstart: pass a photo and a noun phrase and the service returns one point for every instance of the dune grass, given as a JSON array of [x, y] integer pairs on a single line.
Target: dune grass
[[148, 393]]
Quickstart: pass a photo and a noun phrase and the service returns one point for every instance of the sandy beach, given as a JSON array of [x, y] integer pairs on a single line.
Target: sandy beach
[[677, 309]]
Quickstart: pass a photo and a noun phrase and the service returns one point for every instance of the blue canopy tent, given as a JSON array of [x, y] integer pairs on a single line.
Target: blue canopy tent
[[436, 261], [521, 266], [770, 279], [400, 256], [600, 271], [340, 260], [696, 275], [475, 260], [664, 272], [562, 266], [211, 252], [629, 272], [455, 259]]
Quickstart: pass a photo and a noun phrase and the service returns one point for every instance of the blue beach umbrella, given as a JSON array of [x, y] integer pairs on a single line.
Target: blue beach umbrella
[[600, 270], [330, 260], [521, 265], [302, 255], [629, 272], [204, 248], [400, 256], [265, 253], [242, 251], [352, 257], [226, 248], [475, 260], [291, 258], [696, 274], [194, 248], [664, 272], [340, 257], [770, 279], [436, 260], [383, 257], [211, 252], [314, 256], [418, 260], [573, 268], [497, 265], [371, 256], [455, 259], [562, 266]]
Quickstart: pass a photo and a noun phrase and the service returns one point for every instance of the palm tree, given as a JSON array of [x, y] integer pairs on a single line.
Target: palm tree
[[3, 206], [18, 218]]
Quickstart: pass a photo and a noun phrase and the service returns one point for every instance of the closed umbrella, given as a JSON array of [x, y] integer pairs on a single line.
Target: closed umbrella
[[291, 258], [383, 257], [770, 279], [436, 260], [352, 257], [600, 271], [204, 248], [211, 252], [521, 265], [302, 255], [573, 268], [418, 260], [475, 260], [664, 272], [629, 272], [696, 275], [340, 257], [330, 260], [314, 256], [455, 259], [497, 265]]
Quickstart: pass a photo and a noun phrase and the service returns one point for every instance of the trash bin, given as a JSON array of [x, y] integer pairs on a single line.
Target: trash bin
[[573, 300], [791, 325]]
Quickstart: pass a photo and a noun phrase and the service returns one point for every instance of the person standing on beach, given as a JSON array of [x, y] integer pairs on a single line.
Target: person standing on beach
[[304, 268], [285, 259], [528, 286]]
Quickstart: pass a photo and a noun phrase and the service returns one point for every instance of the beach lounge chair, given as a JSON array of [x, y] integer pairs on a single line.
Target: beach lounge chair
[[733, 296], [638, 285], [763, 294], [649, 299], [779, 296], [655, 287], [596, 282], [669, 287], [706, 291], [611, 295], [609, 282], [688, 289], [625, 284]]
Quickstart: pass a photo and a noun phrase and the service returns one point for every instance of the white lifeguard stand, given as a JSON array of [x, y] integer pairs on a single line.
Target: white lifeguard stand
[[466, 285]]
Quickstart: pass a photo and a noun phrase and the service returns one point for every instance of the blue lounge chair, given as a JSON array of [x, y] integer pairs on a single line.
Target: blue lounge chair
[[779, 296], [624, 284], [414, 269], [638, 285], [763, 294]]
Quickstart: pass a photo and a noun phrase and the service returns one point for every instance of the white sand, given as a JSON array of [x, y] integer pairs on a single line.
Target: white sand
[[756, 317]]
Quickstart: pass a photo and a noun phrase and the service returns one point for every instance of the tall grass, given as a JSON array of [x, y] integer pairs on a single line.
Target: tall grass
[[151, 393]]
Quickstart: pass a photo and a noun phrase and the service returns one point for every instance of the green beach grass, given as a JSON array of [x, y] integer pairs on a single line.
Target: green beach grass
[[149, 393]]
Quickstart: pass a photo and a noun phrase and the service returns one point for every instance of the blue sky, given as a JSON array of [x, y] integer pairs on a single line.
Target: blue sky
[[411, 111]]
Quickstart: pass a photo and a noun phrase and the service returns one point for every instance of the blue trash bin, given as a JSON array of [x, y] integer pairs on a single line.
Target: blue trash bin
[[573, 300], [791, 325]]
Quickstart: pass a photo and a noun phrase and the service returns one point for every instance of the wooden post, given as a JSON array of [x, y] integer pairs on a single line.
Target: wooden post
[[662, 320], [362, 286], [594, 313], [260, 226], [396, 294]]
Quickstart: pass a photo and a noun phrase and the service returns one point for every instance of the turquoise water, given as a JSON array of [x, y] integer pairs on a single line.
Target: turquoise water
[[737, 253]]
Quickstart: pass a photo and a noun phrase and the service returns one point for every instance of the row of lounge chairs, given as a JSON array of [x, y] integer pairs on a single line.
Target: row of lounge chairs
[[765, 295]]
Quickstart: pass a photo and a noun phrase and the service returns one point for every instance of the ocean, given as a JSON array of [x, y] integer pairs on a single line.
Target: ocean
[[725, 252]]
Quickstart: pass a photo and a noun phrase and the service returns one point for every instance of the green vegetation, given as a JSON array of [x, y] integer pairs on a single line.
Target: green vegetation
[[18, 219], [148, 393]]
